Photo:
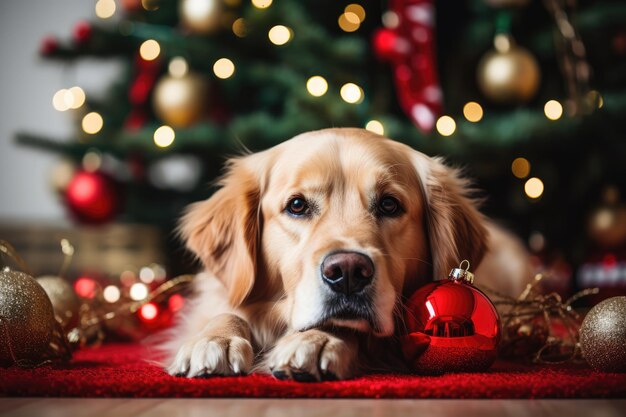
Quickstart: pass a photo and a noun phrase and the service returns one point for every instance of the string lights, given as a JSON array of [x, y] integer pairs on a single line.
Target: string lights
[[317, 86], [376, 127], [473, 112], [105, 8], [164, 136], [92, 123], [445, 125], [553, 110], [279, 35], [149, 50], [533, 188], [351, 93], [223, 68], [520, 167]]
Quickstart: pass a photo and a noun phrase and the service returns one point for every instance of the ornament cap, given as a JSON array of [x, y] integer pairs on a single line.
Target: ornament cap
[[462, 274]]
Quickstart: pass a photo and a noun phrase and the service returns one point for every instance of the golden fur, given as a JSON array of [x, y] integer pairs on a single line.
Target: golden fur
[[262, 291]]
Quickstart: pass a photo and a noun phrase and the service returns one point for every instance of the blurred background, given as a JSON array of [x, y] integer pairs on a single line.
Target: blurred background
[[117, 113]]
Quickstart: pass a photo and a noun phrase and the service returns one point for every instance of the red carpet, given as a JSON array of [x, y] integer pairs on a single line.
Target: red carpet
[[119, 371]]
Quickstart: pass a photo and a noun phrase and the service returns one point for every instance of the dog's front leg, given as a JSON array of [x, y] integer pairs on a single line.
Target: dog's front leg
[[314, 355], [222, 348]]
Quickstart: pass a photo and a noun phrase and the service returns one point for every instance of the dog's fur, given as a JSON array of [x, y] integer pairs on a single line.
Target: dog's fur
[[262, 302]]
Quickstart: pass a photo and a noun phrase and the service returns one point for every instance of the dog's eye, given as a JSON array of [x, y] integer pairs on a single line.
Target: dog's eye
[[297, 206], [388, 206]]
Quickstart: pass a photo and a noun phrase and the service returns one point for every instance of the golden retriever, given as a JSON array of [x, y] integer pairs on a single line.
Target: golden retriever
[[311, 246]]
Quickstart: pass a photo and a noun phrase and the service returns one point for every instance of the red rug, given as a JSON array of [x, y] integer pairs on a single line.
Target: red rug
[[119, 371]]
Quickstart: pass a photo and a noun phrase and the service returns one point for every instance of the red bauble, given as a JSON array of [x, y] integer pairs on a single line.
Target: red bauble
[[452, 326], [92, 197], [82, 32], [49, 45]]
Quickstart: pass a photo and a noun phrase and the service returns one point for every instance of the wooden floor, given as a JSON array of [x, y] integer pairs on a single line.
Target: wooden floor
[[62, 407]]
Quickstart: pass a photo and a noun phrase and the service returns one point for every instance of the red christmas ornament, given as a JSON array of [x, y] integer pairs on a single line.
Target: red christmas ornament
[[49, 45], [92, 197], [410, 45], [82, 32], [452, 326]]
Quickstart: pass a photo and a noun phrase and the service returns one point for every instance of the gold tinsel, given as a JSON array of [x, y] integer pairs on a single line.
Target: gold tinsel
[[527, 324]]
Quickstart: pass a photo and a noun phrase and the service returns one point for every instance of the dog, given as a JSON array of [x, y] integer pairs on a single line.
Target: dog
[[310, 248]]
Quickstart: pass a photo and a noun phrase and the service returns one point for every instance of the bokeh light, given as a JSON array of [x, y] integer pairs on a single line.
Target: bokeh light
[[376, 127], [520, 167], [105, 8], [279, 35], [148, 312], [92, 123], [446, 125], [553, 110], [261, 4], [224, 68], [351, 93], [357, 10], [164, 136], [178, 67], [317, 86], [149, 50], [138, 291], [85, 287], [473, 112], [533, 188], [111, 294]]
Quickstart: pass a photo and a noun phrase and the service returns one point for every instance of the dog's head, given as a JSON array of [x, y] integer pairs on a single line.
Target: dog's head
[[335, 226]]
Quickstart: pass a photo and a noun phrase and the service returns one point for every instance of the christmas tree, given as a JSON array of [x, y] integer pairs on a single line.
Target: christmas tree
[[528, 96]]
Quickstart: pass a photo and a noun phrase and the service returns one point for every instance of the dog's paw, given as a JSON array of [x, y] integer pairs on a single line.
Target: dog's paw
[[212, 356], [311, 356]]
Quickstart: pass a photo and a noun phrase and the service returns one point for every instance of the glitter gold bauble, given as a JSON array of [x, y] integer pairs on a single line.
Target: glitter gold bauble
[[603, 335], [26, 318], [200, 16], [64, 300], [180, 101], [508, 74]]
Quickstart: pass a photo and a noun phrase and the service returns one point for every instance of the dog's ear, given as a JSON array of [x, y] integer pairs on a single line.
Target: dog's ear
[[224, 231], [455, 227]]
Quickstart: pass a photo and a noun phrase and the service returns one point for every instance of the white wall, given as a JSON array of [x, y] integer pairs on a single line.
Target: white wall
[[27, 84]]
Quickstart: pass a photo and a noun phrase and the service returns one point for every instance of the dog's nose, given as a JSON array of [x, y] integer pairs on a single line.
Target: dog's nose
[[347, 272]]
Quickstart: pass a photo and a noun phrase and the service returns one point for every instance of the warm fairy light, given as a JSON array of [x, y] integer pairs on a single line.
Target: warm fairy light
[[128, 278], [77, 97], [376, 127], [279, 35], [520, 167], [149, 50], [533, 187], [178, 67], [357, 10], [58, 100], [351, 93], [261, 4], [553, 110], [92, 161], [92, 123], [85, 287], [472, 111], [105, 8], [223, 68], [146, 274], [176, 302], [111, 294], [317, 86], [446, 125], [239, 27], [164, 136], [149, 312], [138, 291], [349, 22]]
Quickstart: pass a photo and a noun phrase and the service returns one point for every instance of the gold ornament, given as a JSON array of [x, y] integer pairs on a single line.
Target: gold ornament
[[603, 335], [26, 319], [509, 74], [180, 101], [64, 300], [200, 16]]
